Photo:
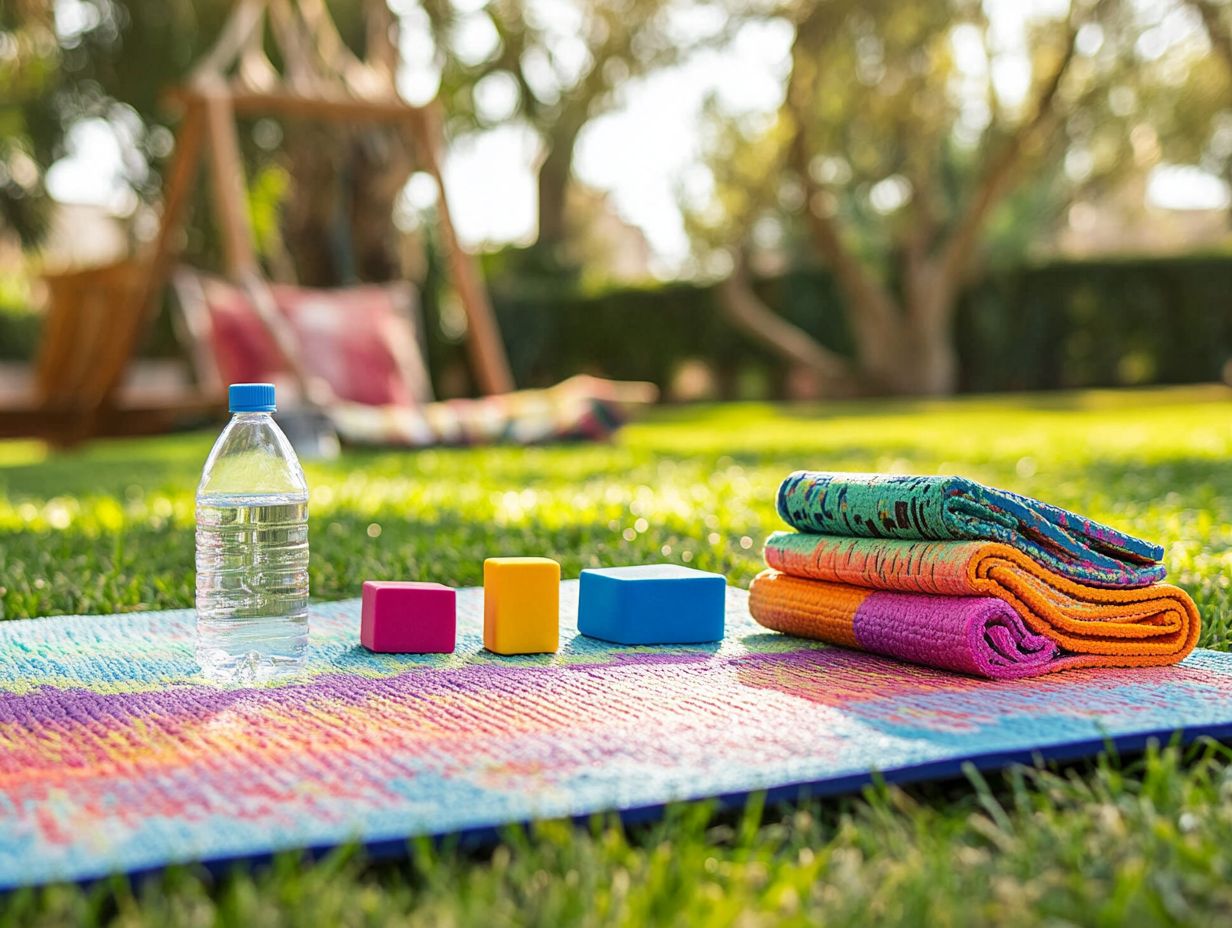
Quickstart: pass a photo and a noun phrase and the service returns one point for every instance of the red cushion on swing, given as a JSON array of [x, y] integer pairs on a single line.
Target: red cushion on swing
[[359, 340], [243, 348]]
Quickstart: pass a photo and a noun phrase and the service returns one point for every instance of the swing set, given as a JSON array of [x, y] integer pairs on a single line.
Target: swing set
[[97, 318]]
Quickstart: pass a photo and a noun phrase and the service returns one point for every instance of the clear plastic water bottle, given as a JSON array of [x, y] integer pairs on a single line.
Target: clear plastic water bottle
[[252, 548]]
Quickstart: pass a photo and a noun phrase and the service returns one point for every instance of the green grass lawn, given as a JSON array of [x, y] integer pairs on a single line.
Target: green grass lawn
[[109, 529]]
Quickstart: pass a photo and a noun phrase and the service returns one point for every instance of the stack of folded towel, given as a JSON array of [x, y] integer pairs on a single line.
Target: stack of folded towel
[[946, 572]]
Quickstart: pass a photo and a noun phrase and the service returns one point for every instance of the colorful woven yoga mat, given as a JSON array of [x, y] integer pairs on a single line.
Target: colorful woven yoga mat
[[958, 509], [113, 757]]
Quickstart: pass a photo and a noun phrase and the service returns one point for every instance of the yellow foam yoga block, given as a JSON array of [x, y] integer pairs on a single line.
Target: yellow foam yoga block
[[521, 605]]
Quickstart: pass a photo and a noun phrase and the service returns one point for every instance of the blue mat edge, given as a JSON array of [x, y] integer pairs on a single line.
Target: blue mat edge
[[484, 836]]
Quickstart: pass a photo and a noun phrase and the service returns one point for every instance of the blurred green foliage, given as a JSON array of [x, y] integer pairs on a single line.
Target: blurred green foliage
[[27, 68], [19, 326], [552, 71]]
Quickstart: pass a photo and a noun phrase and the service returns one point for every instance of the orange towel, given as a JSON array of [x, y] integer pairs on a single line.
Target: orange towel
[[1142, 626]]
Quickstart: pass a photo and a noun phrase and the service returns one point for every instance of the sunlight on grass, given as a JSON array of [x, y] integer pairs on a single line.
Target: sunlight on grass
[[109, 528], [18, 453]]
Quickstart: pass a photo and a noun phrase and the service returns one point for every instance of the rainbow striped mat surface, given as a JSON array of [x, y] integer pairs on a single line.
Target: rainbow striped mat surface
[[113, 757]]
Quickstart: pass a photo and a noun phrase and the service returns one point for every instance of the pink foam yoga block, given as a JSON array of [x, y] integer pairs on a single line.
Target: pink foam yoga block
[[408, 618]]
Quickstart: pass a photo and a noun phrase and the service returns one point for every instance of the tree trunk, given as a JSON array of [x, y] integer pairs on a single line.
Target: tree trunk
[[884, 353], [833, 373], [904, 342], [932, 362], [555, 172], [909, 352]]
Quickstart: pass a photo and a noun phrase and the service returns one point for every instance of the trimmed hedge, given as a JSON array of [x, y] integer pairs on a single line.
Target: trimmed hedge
[[645, 333], [1098, 323], [1057, 325], [19, 333]]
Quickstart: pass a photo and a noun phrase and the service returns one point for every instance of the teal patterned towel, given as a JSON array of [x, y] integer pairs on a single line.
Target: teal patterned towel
[[954, 508]]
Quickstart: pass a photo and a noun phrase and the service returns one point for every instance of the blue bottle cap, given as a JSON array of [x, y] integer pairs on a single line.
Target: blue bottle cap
[[251, 397]]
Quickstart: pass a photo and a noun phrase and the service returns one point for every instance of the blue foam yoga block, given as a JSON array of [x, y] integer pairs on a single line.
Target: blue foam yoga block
[[652, 604]]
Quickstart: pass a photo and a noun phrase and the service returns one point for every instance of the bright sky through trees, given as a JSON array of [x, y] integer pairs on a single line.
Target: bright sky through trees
[[645, 152]]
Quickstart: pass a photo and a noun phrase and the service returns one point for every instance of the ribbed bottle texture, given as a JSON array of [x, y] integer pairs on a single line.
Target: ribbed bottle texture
[[252, 555]]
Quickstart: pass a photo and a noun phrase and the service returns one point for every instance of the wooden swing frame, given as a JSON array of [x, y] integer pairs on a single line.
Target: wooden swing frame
[[322, 80]]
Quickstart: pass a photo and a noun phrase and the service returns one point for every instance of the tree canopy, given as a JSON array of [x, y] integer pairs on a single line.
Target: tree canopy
[[914, 136], [914, 142]]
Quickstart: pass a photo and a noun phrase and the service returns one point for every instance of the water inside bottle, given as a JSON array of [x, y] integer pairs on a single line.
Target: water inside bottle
[[252, 586]]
